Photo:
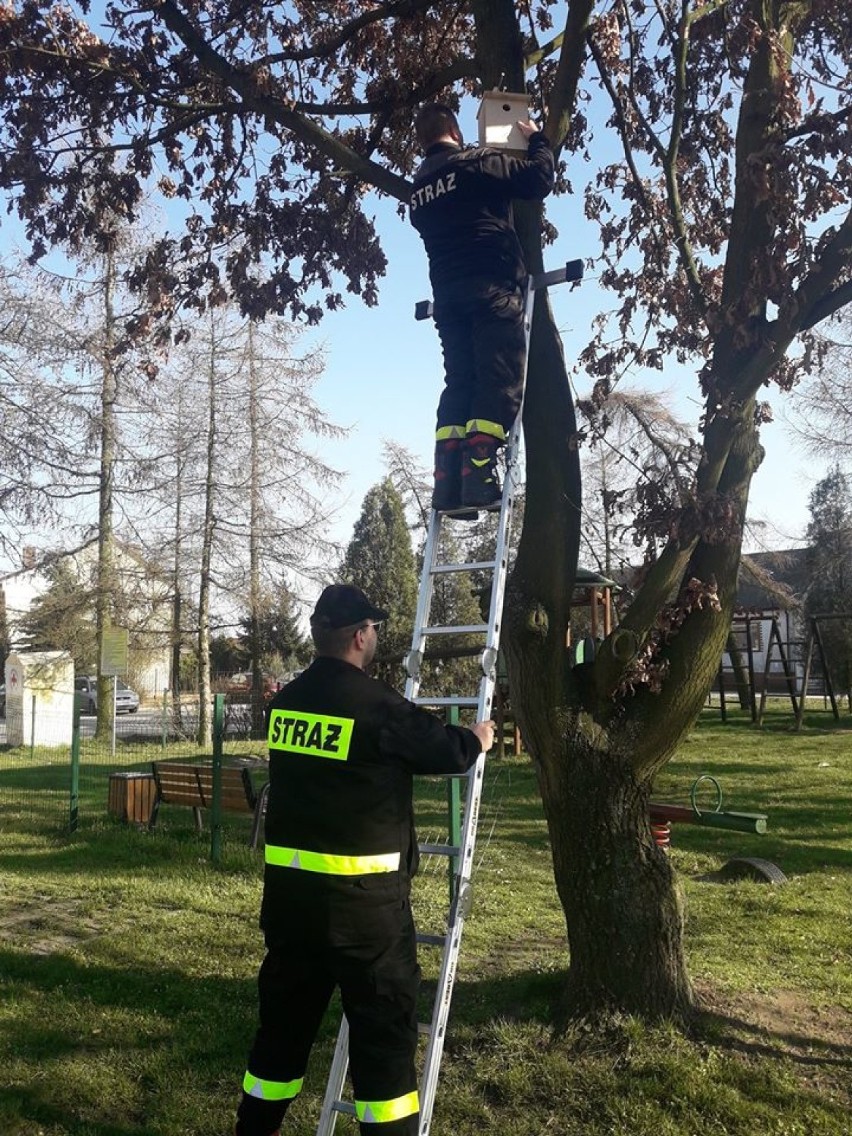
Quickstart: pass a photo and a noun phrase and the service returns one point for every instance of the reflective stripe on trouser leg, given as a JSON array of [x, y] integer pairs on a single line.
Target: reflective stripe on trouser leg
[[483, 426], [446, 433], [382, 1112], [271, 1090]]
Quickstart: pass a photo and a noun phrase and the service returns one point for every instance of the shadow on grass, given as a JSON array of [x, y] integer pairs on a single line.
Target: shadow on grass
[[33, 1109], [803, 1049], [170, 847], [197, 1028]]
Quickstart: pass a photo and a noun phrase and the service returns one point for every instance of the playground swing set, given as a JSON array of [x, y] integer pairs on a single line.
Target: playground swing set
[[813, 645]]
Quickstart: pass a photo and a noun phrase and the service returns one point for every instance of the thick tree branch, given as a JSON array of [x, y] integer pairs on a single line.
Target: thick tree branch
[[818, 123], [538, 54], [391, 9], [708, 9], [499, 48], [617, 653], [462, 68], [828, 305], [823, 293], [563, 95], [248, 85]]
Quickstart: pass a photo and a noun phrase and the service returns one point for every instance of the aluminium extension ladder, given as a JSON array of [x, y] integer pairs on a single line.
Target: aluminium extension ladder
[[462, 853]]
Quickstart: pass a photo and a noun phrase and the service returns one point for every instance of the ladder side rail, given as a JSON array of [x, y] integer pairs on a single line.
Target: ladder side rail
[[498, 579], [336, 1081], [424, 603], [456, 922], [515, 432]]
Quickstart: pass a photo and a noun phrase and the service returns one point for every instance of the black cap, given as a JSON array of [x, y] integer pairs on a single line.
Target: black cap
[[342, 605]]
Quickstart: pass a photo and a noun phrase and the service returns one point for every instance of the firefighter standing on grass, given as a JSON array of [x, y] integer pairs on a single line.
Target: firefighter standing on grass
[[461, 206], [340, 854]]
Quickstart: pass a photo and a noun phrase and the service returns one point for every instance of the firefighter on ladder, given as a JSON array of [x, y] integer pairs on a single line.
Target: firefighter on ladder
[[461, 206], [340, 853]]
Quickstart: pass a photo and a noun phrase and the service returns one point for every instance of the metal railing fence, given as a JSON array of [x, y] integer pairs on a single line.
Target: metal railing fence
[[59, 781]]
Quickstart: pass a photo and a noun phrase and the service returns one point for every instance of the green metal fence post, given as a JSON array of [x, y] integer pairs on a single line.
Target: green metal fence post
[[165, 717], [453, 813], [33, 729], [74, 810], [216, 811]]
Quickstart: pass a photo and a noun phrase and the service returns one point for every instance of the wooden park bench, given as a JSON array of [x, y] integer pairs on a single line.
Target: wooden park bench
[[191, 784]]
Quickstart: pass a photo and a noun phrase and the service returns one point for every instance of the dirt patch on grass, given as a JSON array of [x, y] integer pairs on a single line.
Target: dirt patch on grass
[[816, 1040], [45, 925]]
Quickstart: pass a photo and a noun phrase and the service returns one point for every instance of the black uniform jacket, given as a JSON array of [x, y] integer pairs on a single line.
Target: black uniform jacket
[[343, 749], [461, 206]]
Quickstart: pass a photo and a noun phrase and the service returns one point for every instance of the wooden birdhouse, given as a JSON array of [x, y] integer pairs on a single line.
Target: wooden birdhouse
[[497, 116]]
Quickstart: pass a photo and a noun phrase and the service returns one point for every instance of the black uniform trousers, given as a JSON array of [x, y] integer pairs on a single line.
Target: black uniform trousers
[[357, 935], [481, 328]]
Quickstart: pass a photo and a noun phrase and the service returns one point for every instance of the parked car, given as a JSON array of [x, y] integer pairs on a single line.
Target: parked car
[[238, 686], [126, 700]]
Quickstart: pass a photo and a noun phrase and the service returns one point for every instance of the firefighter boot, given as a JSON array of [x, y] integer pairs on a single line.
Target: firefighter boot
[[448, 466], [480, 483]]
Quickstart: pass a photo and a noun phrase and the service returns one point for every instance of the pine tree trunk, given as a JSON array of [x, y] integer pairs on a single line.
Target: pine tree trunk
[[177, 590], [205, 717], [105, 592], [256, 693]]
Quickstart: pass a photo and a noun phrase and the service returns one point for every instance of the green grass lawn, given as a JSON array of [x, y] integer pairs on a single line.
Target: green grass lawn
[[128, 963]]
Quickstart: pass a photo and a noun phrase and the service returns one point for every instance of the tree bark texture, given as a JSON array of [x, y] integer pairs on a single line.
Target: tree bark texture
[[618, 889]]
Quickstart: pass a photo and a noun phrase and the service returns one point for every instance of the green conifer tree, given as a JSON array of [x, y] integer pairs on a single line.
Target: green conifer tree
[[380, 561]]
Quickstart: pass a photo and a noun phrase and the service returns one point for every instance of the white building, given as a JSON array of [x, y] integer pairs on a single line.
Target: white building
[[147, 610]]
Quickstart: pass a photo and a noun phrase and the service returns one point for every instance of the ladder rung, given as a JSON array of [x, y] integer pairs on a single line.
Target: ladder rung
[[462, 629], [431, 940], [475, 566], [426, 701], [345, 1107], [440, 849]]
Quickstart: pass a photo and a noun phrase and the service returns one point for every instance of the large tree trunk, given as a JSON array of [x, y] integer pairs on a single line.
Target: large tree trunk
[[615, 885], [599, 733]]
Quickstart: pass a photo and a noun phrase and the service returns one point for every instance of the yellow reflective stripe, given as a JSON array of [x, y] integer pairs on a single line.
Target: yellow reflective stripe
[[271, 1090], [380, 1112], [318, 735], [331, 865], [445, 432], [483, 426]]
